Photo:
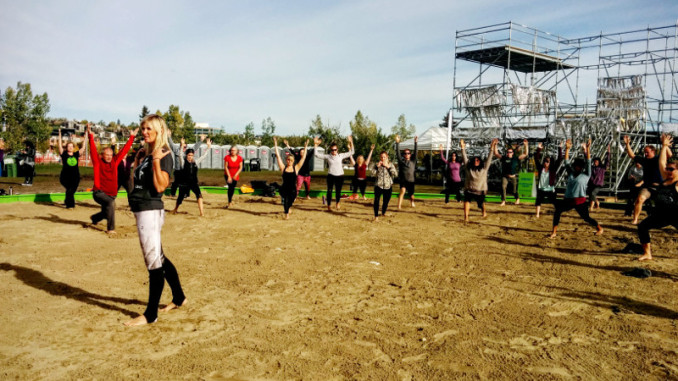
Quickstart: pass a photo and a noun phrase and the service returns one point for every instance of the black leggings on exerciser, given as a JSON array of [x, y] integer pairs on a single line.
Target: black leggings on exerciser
[[107, 209], [378, 192], [231, 188], [288, 196], [335, 182], [563, 206], [655, 221], [185, 191], [71, 185], [156, 282]]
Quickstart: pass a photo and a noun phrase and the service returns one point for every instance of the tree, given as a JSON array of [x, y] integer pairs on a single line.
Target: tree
[[364, 133], [25, 116], [328, 134], [175, 121], [188, 129], [401, 128], [249, 133], [144, 112], [267, 132]]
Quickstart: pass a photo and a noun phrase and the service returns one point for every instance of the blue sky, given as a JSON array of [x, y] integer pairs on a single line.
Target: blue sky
[[232, 62]]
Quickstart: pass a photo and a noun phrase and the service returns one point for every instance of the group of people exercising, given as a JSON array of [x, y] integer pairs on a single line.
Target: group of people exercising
[[152, 164]]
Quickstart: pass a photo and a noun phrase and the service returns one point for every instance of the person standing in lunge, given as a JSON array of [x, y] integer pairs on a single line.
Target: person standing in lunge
[[335, 171], [151, 178], [189, 177], [453, 182], [578, 174], [475, 182], [598, 170], [105, 188], [510, 168], [360, 165], [547, 170], [233, 165], [665, 212], [70, 172], [407, 167], [290, 170], [384, 172]]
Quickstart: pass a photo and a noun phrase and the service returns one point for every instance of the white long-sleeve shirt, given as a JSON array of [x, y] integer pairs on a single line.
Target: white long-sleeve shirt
[[334, 161]]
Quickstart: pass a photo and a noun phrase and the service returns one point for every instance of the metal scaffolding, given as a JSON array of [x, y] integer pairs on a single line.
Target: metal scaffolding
[[527, 84]]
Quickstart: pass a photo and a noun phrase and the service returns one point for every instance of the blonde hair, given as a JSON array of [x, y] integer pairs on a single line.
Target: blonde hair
[[157, 123]]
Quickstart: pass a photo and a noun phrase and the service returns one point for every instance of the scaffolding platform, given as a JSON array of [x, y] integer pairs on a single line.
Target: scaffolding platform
[[515, 58]]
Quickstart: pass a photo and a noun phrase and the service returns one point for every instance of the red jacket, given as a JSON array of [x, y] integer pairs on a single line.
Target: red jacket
[[106, 174]]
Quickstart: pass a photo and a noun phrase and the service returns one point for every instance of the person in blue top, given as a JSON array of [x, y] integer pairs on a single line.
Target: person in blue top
[[578, 175]]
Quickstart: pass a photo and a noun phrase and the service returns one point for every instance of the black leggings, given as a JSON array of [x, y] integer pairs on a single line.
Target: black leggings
[[288, 196], [156, 282], [29, 173], [359, 185], [655, 221], [378, 192], [231, 188], [175, 183], [542, 194], [565, 205], [335, 182], [185, 191], [71, 185], [452, 187], [107, 209]]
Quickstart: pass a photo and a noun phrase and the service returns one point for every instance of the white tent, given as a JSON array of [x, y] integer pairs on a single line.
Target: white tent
[[429, 140]]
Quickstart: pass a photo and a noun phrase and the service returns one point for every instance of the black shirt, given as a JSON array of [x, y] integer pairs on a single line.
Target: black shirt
[[651, 172], [667, 200], [144, 196], [305, 169], [510, 165], [70, 164]]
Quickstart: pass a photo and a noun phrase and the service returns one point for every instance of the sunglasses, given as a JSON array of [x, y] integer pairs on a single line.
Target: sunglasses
[[334, 150], [670, 169], [407, 153]]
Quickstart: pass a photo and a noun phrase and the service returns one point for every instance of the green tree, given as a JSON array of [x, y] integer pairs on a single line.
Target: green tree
[[25, 116], [401, 128], [249, 133], [328, 134], [267, 132], [364, 133], [144, 112], [188, 129], [175, 121]]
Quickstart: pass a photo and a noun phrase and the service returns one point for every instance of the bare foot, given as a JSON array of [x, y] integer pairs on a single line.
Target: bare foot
[[308, 197], [139, 320], [412, 204], [599, 231], [338, 207], [329, 208], [503, 203], [375, 219], [635, 222], [537, 216], [111, 232], [552, 236], [230, 204], [517, 202], [174, 211], [172, 306], [484, 215], [645, 257], [287, 216]]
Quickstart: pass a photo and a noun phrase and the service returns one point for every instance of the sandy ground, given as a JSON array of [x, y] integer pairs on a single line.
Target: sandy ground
[[416, 296]]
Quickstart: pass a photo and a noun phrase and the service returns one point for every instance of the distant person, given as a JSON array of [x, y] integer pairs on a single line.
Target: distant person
[[384, 172], [665, 212], [27, 163], [189, 177], [178, 162], [335, 172], [70, 172], [360, 165], [290, 171], [634, 181], [407, 167], [547, 170], [652, 177], [510, 169], [2, 155], [151, 178], [452, 174], [233, 165], [597, 181], [304, 175], [105, 170], [475, 182], [578, 174]]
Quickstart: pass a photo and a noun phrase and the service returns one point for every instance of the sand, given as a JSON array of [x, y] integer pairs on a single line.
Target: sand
[[324, 296]]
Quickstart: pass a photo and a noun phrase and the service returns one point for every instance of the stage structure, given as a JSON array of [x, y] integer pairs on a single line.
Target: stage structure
[[530, 84]]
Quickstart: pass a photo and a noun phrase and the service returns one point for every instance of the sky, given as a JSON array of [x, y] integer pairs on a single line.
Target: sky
[[234, 62]]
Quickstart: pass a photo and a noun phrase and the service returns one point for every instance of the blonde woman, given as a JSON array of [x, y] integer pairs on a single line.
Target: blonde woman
[[151, 177]]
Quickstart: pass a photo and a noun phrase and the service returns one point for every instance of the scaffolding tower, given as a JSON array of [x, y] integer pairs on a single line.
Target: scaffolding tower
[[528, 84]]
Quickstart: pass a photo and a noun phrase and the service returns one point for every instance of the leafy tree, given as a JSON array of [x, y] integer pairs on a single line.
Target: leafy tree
[[25, 116], [188, 129], [175, 121], [401, 128], [223, 139], [364, 133], [328, 134], [267, 132], [144, 112], [249, 133]]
